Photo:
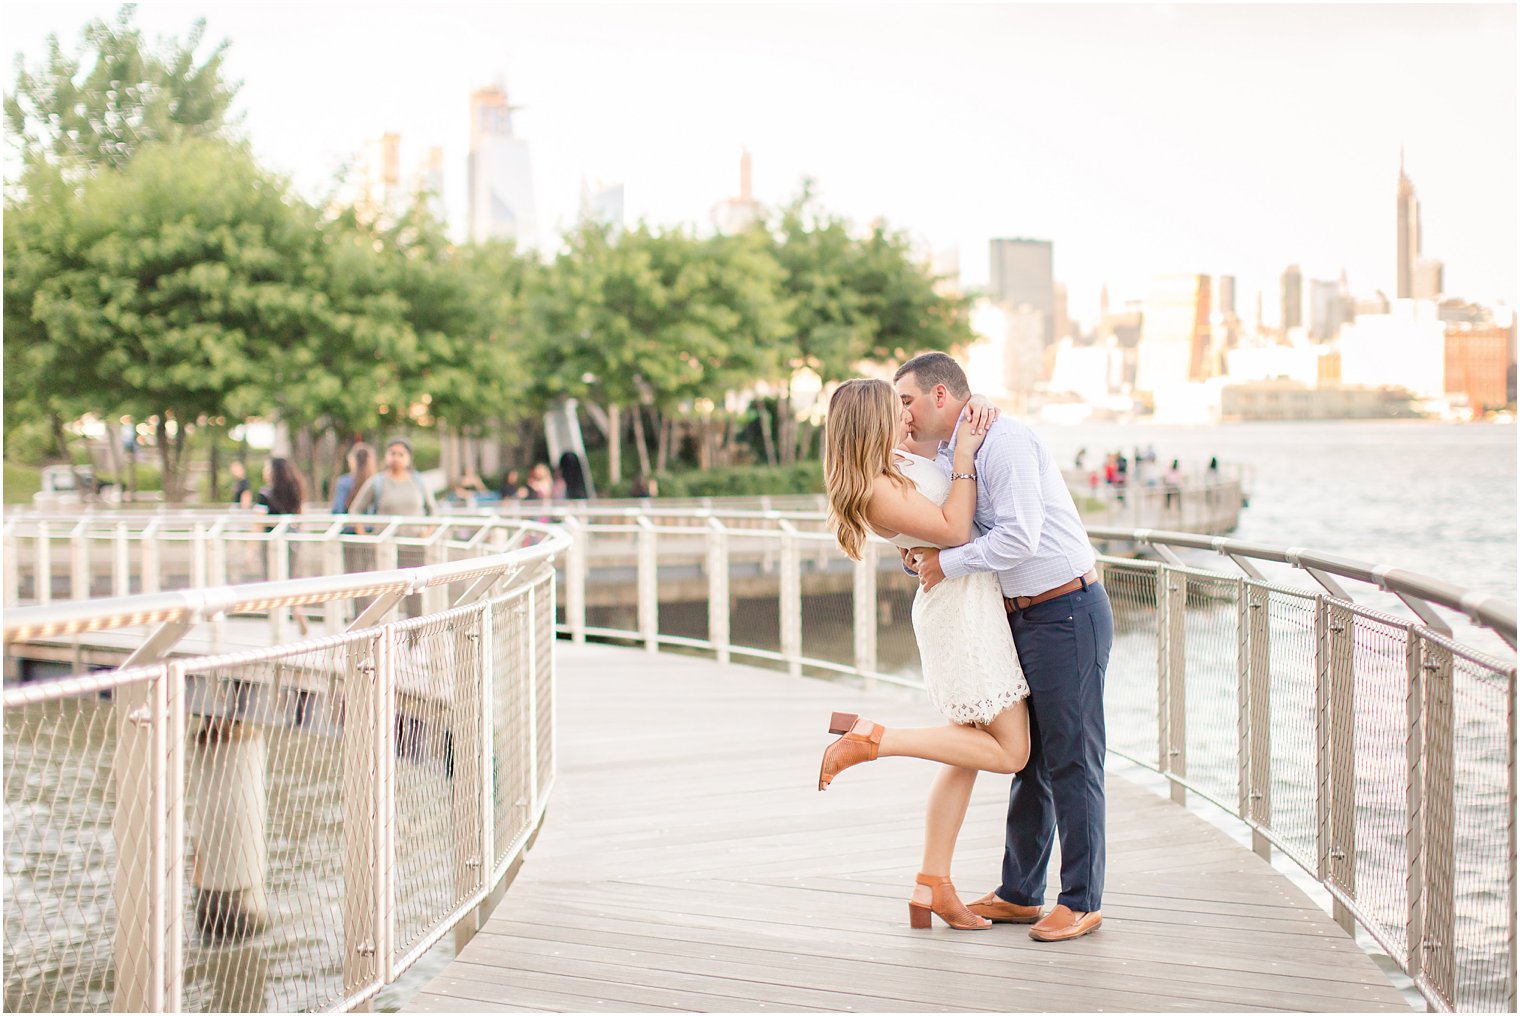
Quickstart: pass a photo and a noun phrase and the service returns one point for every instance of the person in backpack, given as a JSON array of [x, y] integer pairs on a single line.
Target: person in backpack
[[396, 490]]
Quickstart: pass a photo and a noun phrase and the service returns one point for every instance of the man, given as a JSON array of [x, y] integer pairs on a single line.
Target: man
[[1062, 624]]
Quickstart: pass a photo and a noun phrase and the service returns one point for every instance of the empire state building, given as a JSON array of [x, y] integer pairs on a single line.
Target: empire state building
[[1409, 233]]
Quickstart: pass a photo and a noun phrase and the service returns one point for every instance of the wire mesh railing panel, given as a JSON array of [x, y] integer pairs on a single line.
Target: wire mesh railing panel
[[265, 786], [1482, 750], [827, 587], [1211, 639], [435, 662], [1130, 696], [681, 583], [896, 646], [1380, 646], [512, 788], [1291, 689], [60, 854], [753, 591]]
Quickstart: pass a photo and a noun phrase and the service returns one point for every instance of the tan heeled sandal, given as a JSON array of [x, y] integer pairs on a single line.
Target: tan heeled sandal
[[946, 904], [858, 745]]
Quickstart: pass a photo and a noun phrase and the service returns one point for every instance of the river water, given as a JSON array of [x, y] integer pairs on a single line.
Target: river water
[[1432, 497]]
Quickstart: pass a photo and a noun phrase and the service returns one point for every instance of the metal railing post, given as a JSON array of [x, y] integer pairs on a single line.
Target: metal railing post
[[1440, 960], [790, 604], [42, 582], [526, 669], [1163, 664], [1342, 770], [470, 864], [138, 828], [1321, 739], [649, 589], [575, 578], [12, 567], [200, 566], [1259, 792], [718, 621], [1512, 728], [332, 564], [79, 561], [865, 614], [152, 560], [1176, 679], [486, 762], [362, 730], [1414, 797], [278, 555], [121, 562], [177, 707]]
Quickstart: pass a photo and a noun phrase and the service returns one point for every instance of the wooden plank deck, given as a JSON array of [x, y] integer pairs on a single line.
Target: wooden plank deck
[[689, 864]]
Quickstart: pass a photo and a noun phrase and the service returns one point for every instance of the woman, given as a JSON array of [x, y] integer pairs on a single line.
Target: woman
[[361, 466], [283, 490], [969, 664], [540, 484], [282, 494], [399, 490]]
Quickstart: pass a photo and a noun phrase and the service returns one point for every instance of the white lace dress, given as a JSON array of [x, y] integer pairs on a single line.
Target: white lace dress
[[969, 662]]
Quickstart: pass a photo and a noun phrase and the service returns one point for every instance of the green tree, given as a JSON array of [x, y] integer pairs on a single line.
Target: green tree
[[851, 299], [656, 321], [100, 108], [179, 287]]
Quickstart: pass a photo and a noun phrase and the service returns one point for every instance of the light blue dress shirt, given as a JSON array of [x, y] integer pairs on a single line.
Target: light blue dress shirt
[[1031, 534]]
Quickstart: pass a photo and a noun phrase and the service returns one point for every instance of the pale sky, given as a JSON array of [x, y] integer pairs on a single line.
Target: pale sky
[[1142, 140]]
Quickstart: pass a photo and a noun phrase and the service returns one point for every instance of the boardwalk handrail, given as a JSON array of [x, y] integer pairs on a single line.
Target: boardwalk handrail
[[350, 799], [1417, 590], [1375, 750]]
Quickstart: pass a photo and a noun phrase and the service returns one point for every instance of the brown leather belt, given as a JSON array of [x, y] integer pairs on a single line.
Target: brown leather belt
[[1012, 603]]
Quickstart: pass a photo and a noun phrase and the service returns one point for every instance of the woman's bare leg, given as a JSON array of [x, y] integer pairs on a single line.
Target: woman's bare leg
[[948, 798], [1002, 746]]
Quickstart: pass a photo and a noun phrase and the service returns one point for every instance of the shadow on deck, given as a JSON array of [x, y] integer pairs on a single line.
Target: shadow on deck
[[688, 863]]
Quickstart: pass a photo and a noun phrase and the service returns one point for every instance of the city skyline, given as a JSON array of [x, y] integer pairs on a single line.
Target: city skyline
[[1272, 143]]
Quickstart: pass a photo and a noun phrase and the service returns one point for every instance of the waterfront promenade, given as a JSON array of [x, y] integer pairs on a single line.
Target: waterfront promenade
[[689, 863]]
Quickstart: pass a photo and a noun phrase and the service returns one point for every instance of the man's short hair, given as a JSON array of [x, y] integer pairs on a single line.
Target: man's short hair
[[936, 368]]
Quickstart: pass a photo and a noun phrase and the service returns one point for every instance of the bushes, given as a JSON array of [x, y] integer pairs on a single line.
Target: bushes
[[739, 481]]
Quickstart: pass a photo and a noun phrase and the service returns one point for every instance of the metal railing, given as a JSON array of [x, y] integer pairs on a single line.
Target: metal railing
[[1371, 740], [229, 819], [1368, 738]]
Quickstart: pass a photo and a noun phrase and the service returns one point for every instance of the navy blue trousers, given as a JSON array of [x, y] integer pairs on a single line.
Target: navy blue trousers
[[1063, 647]]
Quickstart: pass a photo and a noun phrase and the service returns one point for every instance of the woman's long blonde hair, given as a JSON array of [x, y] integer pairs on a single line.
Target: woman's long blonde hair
[[859, 436]]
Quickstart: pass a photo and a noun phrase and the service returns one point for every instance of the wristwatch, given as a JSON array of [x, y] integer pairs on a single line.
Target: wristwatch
[[962, 476]]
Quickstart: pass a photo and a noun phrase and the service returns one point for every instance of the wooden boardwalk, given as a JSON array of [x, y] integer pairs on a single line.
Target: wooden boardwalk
[[689, 864]]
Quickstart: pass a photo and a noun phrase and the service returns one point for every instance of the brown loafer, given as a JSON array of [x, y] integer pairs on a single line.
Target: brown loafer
[[1061, 924], [1000, 911]]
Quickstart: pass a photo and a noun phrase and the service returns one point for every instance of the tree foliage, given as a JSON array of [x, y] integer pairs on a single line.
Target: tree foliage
[[152, 268], [100, 108]]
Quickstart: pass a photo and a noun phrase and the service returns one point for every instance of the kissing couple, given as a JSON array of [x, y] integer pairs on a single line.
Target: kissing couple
[[1013, 629]]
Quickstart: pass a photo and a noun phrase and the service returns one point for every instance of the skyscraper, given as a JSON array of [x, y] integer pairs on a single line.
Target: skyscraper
[[1292, 298], [427, 182], [1429, 279], [1326, 309], [501, 178], [1176, 340], [602, 202], [1021, 274], [1409, 233], [736, 214]]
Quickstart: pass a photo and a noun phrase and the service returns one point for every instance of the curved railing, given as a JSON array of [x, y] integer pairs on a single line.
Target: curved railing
[[1359, 719], [232, 816], [1369, 737]]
